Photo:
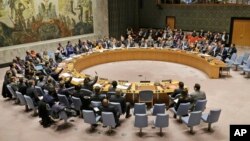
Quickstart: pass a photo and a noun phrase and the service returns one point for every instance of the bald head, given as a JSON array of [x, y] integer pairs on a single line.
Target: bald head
[[105, 102]]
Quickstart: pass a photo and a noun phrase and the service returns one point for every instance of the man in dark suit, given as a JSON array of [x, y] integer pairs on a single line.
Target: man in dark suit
[[41, 82], [22, 87], [232, 49], [51, 88], [54, 74], [223, 53], [179, 90], [113, 87], [183, 99], [64, 91], [125, 106], [31, 91], [105, 107], [84, 99], [88, 83], [175, 93], [96, 96], [215, 50]]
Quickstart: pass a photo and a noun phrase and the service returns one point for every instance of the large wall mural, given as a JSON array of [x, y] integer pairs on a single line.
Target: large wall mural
[[25, 21]]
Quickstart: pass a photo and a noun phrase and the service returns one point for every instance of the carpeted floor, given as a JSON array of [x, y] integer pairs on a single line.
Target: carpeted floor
[[231, 94]]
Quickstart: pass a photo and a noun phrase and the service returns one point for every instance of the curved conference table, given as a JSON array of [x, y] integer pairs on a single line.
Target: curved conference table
[[210, 65]]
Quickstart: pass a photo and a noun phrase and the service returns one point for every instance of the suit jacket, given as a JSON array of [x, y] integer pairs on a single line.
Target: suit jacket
[[64, 91], [90, 84], [176, 92], [52, 90], [55, 75], [121, 100], [109, 108], [215, 51], [182, 100], [224, 54], [197, 95], [85, 101], [31, 91], [232, 50], [22, 87]]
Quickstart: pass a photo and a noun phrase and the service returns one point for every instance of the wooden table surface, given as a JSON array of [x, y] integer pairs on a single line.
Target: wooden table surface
[[210, 65]]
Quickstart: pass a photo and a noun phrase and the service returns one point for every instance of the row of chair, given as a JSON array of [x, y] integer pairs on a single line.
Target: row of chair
[[241, 62], [29, 104], [194, 118]]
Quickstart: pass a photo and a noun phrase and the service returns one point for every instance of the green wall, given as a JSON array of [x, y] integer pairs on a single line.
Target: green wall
[[189, 17], [122, 14]]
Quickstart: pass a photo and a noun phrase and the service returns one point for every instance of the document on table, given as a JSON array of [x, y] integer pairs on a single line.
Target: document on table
[[66, 74], [78, 80]]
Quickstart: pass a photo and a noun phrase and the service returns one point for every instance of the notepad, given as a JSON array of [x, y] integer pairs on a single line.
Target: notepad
[[96, 109], [176, 100]]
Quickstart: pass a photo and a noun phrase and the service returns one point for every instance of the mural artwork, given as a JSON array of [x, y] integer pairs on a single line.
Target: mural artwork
[[26, 21]]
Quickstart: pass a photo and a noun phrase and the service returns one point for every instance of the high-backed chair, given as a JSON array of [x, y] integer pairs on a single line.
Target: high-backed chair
[[211, 117], [21, 99], [12, 92], [39, 91], [110, 94], [245, 65], [182, 109], [90, 117], [86, 92], [77, 104], [63, 115], [108, 119], [146, 96], [51, 55], [245, 57], [232, 59], [200, 105], [140, 108], [238, 62], [192, 120], [161, 121], [158, 109], [30, 104], [71, 89], [247, 71], [141, 121], [96, 103], [102, 96], [117, 106], [63, 100]]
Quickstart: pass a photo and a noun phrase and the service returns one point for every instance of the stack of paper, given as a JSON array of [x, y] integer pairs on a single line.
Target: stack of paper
[[97, 85], [122, 87], [66, 74], [78, 80]]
